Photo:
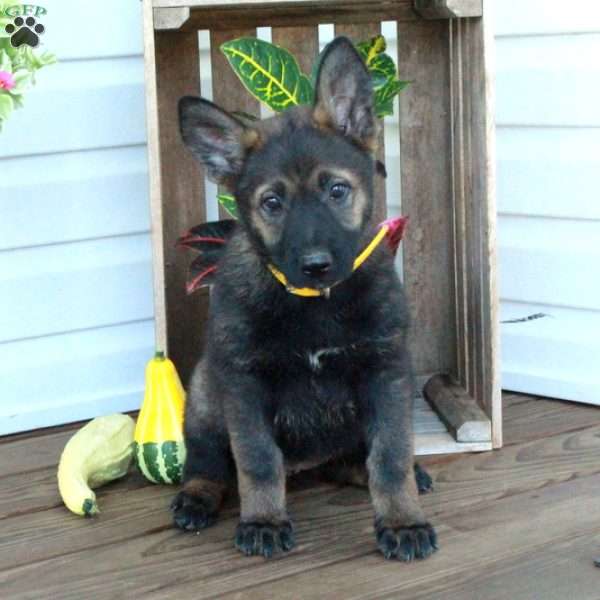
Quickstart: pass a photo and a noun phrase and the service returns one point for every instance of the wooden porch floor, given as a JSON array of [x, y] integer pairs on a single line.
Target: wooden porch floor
[[520, 523]]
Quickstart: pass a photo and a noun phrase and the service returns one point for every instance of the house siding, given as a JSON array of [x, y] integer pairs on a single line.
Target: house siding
[[76, 318], [548, 135]]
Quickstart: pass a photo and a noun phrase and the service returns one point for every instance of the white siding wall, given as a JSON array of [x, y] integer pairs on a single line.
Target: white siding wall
[[75, 281], [75, 286], [548, 142]]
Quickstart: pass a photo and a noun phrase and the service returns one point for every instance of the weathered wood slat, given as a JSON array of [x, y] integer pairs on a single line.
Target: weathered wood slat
[[448, 9], [176, 190], [528, 418], [530, 576], [474, 214], [467, 553], [195, 14], [426, 193], [302, 42], [31, 454], [459, 411], [273, 5], [483, 506], [36, 491], [359, 33]]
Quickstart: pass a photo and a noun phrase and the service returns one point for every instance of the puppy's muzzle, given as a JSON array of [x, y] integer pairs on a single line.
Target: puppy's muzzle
[[316, 264]]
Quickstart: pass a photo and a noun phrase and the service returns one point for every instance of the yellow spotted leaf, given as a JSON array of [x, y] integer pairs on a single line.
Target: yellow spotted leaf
[[270, 73]]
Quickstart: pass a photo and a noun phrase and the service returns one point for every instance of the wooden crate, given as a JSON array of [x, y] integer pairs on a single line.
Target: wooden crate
[[447, 182]]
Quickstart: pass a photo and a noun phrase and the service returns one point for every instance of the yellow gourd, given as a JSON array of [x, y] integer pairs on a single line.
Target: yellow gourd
[[159, 447], [98, 453]]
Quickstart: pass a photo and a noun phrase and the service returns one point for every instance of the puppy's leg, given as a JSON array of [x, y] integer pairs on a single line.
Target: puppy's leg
[[264, 527], [401, 528], [208, 465]]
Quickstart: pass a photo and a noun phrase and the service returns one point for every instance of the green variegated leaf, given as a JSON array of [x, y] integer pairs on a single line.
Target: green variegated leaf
[[270, 73], [370, 49], [383, 72], [228, 203], [384, 97], [380, 65]]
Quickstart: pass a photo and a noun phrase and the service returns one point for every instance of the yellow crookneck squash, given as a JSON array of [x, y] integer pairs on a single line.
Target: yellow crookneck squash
[[159, 445]]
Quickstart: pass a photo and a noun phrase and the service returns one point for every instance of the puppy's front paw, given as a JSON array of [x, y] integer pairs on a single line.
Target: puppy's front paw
[[191, 513], [406, 543], [264, 539]]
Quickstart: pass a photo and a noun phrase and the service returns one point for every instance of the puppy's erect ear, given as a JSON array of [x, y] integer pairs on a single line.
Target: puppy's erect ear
[[216, 138], [344, 94]]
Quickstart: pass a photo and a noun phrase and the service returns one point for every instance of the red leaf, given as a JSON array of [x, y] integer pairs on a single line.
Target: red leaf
[[396, 227]]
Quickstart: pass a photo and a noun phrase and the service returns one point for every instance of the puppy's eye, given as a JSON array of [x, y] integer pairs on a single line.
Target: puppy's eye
[[271, 204], [339, 191]]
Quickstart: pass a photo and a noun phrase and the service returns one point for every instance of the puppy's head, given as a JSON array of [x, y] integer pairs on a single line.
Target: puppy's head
[[303, 180]]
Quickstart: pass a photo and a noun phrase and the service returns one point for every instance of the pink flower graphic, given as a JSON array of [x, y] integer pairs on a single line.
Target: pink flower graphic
[[7, 81]]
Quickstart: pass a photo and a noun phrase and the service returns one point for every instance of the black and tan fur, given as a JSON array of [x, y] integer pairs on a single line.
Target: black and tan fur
[[286, 382]]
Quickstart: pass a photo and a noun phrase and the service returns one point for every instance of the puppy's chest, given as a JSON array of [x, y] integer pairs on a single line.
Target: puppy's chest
[[316, 415]]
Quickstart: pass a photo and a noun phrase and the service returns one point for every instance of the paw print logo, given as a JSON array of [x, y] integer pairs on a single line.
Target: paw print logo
[[24, 31]]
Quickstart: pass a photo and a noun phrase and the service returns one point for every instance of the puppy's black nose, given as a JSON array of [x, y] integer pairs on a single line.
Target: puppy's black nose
[[317, 263]]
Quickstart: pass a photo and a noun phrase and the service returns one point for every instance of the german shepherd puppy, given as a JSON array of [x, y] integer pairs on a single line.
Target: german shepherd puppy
[[288, 382]]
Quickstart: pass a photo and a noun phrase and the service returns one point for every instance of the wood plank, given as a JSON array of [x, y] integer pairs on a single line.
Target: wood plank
[[23, 494], [154, 176], [459, 411], [466, 553], [426, 194], [528, 418], [130, 509], [177, 196], [563, 569], [273, 5], [448, 9], [171, 17], [228, 91], [289, 13], [360, 33], [302, 42], [484, 145], [32, 453], [478, 499], [474, 214]]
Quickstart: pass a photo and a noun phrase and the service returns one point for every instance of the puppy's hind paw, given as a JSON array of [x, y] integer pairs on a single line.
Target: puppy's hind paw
[[191, 513], [264, 539], [406, 543], [424, 480]]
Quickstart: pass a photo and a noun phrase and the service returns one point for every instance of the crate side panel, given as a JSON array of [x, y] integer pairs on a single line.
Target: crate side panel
[[182, 195], [425, 147]]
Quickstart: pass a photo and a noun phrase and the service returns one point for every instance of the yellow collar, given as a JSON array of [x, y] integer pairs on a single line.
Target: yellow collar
[[312, 292]]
